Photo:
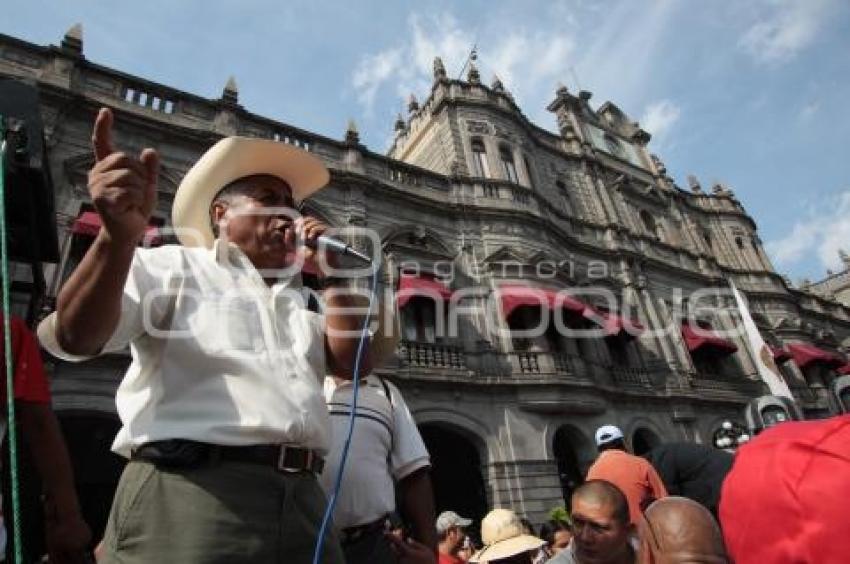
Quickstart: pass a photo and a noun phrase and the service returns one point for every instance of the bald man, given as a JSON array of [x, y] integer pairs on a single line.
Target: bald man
[[602, 531]]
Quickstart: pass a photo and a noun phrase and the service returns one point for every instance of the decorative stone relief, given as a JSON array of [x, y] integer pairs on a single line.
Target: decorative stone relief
[[479, 127]]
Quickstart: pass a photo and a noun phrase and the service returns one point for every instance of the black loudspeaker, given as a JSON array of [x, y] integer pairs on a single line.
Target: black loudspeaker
[[766, 411], [839, 395], [30, 206]]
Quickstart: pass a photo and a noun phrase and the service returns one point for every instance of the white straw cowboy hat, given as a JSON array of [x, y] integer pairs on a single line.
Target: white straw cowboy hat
[[233, 158], [503, 536]]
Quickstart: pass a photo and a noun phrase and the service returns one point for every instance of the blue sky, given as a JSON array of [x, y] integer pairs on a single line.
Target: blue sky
[[749, 93]]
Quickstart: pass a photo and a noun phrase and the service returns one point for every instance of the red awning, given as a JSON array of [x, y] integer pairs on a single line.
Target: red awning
[[805, 355], [614, 324], [513, 297], [89, 224], [411, 286], [698, 338], [780, 354]]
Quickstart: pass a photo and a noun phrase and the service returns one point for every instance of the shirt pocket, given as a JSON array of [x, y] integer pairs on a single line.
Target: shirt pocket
[[308, 343], [228, 327]]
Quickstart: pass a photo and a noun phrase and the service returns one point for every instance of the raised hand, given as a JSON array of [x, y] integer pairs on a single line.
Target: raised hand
[[122, 187]]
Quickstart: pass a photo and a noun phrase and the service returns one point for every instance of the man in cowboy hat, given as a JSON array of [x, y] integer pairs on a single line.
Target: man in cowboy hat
[[222, 410], [386, 453]]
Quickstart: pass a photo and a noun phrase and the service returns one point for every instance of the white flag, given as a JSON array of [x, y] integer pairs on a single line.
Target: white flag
[[762, 354]]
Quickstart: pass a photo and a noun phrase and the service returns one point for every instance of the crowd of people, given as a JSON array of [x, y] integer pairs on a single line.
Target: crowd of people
[[783, 500], [235, 409]]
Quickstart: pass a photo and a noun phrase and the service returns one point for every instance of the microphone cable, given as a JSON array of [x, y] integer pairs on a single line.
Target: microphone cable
[[326, 519]]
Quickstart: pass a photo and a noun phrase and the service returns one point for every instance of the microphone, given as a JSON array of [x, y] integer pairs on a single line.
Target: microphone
[[337, 247]]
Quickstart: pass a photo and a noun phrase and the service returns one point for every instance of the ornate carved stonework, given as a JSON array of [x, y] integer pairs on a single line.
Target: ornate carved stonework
[[478, 127]]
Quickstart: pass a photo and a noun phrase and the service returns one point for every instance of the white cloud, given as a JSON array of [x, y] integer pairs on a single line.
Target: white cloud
[[372, 72], [529, 64], [809, 110], [407, 68], [824, 232], [787, 28], [659, 118]]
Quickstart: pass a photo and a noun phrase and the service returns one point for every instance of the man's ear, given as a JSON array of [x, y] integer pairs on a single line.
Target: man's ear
[[217, 211]]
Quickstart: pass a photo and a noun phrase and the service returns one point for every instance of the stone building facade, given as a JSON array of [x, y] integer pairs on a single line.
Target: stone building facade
[[475, 198], [836, 285]]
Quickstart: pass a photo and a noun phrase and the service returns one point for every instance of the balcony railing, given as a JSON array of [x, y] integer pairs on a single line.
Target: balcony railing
[[431, 355]]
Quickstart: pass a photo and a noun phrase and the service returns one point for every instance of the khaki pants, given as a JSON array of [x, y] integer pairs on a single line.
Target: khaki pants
[[224, 512]]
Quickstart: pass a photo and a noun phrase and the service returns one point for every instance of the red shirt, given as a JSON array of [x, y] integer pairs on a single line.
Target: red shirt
[[447, 559], [30, 382]]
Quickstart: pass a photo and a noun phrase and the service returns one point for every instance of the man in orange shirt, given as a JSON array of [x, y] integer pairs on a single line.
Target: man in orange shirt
[[635, 477]]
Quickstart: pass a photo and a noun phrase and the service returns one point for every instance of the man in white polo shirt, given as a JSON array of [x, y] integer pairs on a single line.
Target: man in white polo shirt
[[386, 451], [222, 410]]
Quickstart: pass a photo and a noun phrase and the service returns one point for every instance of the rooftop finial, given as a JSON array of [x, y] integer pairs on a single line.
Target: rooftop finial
[[412, 103], [399, 123], [230, 94], [352, 136], [72, 42], [694, 184], [439, 69], [473, 76], [561, 89], [497, 84]]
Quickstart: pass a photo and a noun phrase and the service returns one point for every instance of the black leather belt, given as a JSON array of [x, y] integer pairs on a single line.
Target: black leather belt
[[178, 453], [351, 535]]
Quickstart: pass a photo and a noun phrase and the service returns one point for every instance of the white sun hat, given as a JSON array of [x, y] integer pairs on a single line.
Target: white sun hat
[[233, 158], [503, 535]]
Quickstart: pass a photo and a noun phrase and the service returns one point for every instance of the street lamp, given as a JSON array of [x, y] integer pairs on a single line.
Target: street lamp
[[730, 435]]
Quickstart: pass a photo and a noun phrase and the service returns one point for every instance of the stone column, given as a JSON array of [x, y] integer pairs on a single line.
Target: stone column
[[529, 487]]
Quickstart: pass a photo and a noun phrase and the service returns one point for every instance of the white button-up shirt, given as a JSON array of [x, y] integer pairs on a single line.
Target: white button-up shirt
[[217, 355]]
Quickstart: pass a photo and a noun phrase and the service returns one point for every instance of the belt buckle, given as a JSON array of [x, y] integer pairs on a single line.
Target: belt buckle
[[281, 462]]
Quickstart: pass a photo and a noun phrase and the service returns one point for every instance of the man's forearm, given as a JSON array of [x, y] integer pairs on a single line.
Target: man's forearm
[[41, 429], [96, 285], [417, 500]]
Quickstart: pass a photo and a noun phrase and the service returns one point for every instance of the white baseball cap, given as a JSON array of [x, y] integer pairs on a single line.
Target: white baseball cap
[[607, 434], [449, 519]]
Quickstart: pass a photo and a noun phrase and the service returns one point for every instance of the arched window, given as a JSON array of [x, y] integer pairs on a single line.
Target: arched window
[[479, 159], [418, 320], [649, 223], [528, 171], [508, 166], [614, 146], [565, 197]]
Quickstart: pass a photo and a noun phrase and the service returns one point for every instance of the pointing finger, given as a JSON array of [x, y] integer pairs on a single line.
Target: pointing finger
[[150, 158], [102, 135]]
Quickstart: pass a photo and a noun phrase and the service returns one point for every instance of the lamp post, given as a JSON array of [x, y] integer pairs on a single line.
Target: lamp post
[[730, 435]]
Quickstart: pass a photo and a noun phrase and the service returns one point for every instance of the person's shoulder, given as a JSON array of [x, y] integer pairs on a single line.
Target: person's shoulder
[[170, 257], [563, 557], [395, 392]]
